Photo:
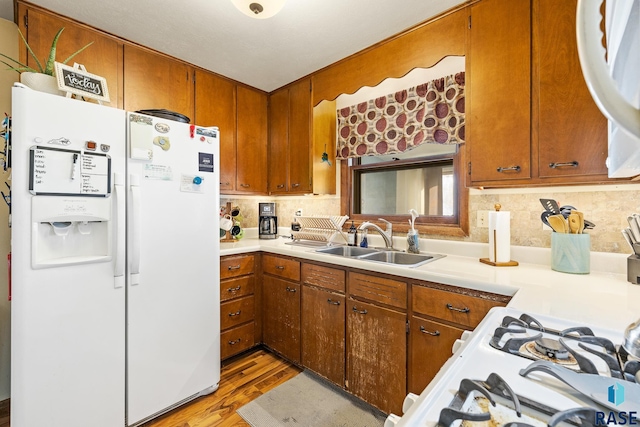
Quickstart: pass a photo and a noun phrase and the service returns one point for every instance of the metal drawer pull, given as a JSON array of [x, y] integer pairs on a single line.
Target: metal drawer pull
[[245, 185], [237, 288], [279, 267], [233, 267], [235, 342], [461, 310], [291, 289], [424, 331], [225, 183], [573, 164], [330, 301], [510, 168], [359, 311], [280, 186], [237, 313], [295, 185]]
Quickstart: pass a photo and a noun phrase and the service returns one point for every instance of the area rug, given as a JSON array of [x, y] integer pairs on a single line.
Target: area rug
[[310, 401]]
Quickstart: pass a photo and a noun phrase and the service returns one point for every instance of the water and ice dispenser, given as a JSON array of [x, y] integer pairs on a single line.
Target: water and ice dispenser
[[71, 211]]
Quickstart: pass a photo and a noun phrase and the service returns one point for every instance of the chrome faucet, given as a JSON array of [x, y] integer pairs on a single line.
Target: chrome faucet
[[386, 234]]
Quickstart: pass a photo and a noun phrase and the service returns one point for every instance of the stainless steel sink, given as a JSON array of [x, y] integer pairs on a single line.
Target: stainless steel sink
[[401, 258], [347, 251], [380, 255]]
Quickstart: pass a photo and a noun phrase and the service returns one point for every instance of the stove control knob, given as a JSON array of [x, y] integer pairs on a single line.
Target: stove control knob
[[391, 421]]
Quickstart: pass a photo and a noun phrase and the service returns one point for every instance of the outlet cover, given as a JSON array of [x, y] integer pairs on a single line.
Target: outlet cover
[[482, 219]]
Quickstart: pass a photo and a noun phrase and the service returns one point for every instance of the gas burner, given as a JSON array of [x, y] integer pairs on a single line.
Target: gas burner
[[551, 348], [573, 347], [492, 403]]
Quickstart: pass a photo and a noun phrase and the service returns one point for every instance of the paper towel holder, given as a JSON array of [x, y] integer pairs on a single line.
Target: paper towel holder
[[488, 261]]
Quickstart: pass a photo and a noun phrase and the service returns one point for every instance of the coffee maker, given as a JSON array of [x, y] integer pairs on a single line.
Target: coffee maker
[[268, 221]]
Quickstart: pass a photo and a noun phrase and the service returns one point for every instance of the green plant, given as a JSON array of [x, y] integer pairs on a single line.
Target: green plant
[[49, 68]]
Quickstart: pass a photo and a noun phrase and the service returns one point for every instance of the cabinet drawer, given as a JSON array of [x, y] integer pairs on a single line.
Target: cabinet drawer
[[282, 267], [233, 313], [236, 340], [378, 289], [462, 309], [324, 277], [235, 266], [234, 288]]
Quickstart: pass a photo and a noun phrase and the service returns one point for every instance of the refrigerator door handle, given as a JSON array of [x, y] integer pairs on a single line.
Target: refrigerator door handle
[[136, 229], [118, 268]]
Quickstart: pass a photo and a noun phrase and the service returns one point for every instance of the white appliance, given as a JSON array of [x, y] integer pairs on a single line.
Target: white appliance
[[505, 343], [613, 76], [115, 263]]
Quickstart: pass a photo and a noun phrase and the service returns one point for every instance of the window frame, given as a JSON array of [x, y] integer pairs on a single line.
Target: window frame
[[456, 225]]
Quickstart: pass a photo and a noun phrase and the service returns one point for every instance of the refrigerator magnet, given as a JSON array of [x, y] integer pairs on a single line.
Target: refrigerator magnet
[[205, 162], [162, 142]]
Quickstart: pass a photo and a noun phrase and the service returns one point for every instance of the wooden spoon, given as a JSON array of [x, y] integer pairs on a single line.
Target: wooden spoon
[[574, 223], [558, 223]]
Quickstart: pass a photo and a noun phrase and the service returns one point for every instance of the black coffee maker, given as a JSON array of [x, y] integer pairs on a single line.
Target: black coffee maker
[[268, 221]]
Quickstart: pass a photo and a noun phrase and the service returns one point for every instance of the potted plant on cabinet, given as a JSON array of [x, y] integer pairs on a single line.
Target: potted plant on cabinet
[[40, 77]]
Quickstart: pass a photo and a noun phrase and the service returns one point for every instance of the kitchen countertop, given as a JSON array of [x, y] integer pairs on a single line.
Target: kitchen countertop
[[603, 297]]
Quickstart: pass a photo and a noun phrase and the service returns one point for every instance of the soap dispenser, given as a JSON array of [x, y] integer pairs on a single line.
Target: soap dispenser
[[352, 237]]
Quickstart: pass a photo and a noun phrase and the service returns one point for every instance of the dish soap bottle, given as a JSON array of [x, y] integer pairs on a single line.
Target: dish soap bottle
[[352, 237]]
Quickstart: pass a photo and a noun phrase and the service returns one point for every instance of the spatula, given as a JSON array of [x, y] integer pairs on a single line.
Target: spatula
[[558, 223]]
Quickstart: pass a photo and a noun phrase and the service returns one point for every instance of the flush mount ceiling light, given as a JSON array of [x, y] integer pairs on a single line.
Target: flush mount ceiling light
[[259, 9]]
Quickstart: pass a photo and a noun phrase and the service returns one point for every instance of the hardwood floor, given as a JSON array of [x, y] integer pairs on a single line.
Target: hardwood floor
[[242, 380]]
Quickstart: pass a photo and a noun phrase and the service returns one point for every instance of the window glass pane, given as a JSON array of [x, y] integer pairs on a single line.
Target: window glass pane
[[427, 188]]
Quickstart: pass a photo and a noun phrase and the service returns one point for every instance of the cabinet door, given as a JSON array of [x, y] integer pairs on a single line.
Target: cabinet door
[[278, 141], [376, 355], [154, 81], [498, 90], [323, 333], [252, 141], [216, 106], [431, 344], [281, 318], [103, 57], [571, 131], [300, 137]]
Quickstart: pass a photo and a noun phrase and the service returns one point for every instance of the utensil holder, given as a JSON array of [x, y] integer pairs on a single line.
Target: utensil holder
[[570, 253], [633, 269]]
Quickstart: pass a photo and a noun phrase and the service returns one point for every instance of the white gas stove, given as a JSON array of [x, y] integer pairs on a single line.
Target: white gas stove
[[530, 352]]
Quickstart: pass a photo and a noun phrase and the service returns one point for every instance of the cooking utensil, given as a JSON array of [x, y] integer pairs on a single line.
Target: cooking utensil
[[566, 210], [550, 205], [635, 229], [595, 387], [544, 218], [588, 225], [558, 223], [574, 223]]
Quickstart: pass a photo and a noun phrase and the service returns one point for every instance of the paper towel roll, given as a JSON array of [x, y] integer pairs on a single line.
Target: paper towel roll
[[499, 236]]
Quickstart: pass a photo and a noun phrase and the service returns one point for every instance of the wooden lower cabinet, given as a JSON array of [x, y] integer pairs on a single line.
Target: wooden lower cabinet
[[430, 344], [281, 316], [237, 340], [377, 355], [323, 333]]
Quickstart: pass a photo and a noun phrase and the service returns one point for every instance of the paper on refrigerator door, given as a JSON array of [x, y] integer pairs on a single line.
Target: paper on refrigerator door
[[499, 236]]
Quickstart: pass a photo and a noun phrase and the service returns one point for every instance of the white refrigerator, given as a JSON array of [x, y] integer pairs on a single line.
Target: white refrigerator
[[115, 263]]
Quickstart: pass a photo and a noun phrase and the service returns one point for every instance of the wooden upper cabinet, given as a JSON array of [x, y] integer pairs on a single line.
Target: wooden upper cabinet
[[252, 141], [278, 141], [300, 137], [571, 131], [103, 57], [216, 106], [290, 139], [498, 90], [153, 81]]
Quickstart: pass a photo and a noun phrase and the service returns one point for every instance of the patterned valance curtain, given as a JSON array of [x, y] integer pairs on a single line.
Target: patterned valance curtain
[[432, 112]]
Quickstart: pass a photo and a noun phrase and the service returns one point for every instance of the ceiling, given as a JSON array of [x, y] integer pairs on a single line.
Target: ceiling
[[305, 36]]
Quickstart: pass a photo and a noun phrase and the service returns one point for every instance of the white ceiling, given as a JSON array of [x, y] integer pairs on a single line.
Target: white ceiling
[[305, 36]]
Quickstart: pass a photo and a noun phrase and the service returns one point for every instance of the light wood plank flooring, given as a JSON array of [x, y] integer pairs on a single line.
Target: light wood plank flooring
[[242, 380]]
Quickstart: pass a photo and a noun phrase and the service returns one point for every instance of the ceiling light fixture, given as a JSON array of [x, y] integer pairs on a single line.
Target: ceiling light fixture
[[259, 9]]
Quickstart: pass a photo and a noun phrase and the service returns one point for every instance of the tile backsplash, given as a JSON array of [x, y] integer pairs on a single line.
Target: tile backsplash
[[606, 205]]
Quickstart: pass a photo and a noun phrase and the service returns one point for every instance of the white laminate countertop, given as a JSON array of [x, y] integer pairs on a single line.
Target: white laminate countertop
[[602, 298]]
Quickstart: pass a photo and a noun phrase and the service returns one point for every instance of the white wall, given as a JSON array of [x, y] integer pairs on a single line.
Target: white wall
[[8, 46]]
